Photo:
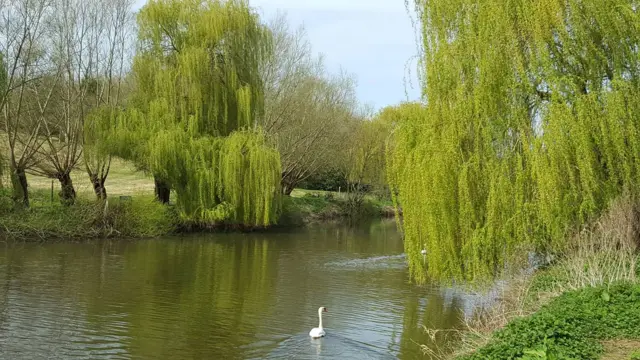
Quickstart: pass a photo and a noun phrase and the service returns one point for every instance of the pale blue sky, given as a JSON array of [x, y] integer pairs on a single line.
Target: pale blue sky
[[372, 39]]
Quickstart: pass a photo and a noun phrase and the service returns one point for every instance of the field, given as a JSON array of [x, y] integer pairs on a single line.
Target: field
[[123, 179]]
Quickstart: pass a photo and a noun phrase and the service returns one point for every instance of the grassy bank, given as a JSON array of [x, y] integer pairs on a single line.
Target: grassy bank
[[46, 220], [132, 212], [572, 326], [584, 304]]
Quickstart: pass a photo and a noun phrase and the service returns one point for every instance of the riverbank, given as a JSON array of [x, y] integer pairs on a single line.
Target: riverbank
[[584, 304], [140, 216], [132, 212]]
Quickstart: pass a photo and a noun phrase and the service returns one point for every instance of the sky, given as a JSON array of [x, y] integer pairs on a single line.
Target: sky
[[372, 39]]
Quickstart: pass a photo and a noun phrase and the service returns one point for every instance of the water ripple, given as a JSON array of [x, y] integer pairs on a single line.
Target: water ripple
[[376, 262], [228, 296]]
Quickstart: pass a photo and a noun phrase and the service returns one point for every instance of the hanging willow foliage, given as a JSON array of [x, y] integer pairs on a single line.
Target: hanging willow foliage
[[530, 128], [232, 179], [202, 58], [191, 123]]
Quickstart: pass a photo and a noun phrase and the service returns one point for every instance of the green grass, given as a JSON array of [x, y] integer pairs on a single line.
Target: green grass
[[47, 219], [123, 180], [571, 326], [44, 221]]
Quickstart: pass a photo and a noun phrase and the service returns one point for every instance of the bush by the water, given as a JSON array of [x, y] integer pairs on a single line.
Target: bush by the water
[[604, 252], [329, 180], [570, 327]]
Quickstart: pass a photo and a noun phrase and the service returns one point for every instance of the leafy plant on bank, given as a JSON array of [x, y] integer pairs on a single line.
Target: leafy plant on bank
[[570, 327]]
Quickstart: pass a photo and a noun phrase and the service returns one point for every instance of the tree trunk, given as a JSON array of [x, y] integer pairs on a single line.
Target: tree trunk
[[287, 189], [67, 192], [20, 187], [287, 186], [163, 191], [98, 186]]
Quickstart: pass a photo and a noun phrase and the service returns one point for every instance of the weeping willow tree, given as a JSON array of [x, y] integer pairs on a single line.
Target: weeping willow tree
[[220, 179], [530, 128], [191, 122]]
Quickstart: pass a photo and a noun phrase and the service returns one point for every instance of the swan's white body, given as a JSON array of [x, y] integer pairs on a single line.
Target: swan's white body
[[319, 331]]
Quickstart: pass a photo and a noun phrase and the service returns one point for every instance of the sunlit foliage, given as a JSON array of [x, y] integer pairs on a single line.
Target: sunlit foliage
[[530, 128], [191, 122]]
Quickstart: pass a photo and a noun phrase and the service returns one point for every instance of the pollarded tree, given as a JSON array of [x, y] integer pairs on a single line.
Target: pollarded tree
[[191, 119], [25, 71], [518, 142], [83, 38], [110, 37]]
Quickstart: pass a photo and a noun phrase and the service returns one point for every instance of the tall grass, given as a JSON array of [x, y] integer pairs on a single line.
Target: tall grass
[[45, 220], [606, 251]]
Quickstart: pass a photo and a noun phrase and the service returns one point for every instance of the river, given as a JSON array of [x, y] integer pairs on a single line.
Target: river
[[221, 296]]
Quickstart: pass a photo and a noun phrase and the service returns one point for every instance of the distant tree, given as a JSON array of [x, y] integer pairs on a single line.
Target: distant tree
[[306, 108], [363, 161]]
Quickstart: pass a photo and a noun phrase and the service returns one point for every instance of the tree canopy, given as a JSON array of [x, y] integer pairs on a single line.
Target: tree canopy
[[192, 116], [530, 128], [307, 110]]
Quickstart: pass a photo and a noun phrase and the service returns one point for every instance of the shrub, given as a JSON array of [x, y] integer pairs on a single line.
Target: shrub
[[329, 180], [143, 217], [6, 203]]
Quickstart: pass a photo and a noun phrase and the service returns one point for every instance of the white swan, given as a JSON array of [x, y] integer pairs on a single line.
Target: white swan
[[319, 331]]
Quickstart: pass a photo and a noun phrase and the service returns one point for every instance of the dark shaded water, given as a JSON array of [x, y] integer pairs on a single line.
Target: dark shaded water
[[229, 296]]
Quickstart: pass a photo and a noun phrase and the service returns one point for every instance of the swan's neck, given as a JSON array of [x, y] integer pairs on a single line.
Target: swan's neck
[[320, 316]]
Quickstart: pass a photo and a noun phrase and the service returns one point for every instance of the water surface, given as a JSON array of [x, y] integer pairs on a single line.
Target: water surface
[[220, 296]]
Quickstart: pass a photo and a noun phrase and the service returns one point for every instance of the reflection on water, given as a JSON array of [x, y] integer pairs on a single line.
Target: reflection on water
[[231, 296]]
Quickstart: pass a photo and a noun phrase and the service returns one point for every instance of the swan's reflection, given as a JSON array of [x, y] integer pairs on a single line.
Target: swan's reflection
[[317, 343]]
